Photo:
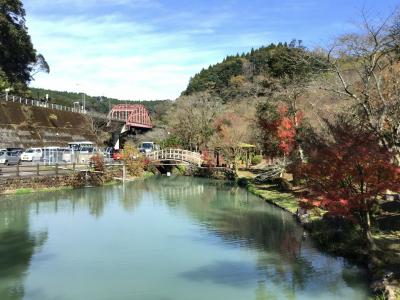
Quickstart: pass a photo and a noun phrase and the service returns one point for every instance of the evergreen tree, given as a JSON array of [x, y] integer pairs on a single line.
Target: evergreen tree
[[17, 56]]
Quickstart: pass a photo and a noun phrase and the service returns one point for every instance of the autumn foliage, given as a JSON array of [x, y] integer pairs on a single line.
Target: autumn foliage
[[286, 129], [97, 161], [207, 158], [346, 177], [231, 132], [280, 128], [134, 161]]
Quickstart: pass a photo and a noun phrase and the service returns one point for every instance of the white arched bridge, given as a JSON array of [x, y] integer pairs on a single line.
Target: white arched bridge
[[175, 157]]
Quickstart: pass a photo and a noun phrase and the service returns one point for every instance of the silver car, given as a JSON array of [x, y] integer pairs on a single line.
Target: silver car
[[9, 158]]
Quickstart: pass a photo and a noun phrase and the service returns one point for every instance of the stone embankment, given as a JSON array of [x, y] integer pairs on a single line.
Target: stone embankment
[[25, 184]]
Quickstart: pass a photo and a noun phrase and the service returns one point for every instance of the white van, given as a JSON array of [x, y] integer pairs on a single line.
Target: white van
[[52, 155], [67, 155], [81, 146], [32, 154]]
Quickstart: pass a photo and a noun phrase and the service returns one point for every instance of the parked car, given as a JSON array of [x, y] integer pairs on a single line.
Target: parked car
[[19, 150], [9, 158], [32, 154], [147, 147]]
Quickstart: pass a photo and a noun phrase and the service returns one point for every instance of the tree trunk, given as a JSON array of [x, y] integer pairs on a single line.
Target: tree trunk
[[367, 232]]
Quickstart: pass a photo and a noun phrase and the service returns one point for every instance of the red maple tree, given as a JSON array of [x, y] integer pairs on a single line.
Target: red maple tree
[[348, 176], [286, 129], [208, 160]]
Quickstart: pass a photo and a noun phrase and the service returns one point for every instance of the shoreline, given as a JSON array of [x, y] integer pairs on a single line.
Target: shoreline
[[42, 184], [379, 284]]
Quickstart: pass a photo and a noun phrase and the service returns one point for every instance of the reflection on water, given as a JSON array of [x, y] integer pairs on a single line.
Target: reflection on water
[[162, 238], [17, 245]]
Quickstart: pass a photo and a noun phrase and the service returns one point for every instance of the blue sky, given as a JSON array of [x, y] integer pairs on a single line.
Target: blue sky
[[149, 49]]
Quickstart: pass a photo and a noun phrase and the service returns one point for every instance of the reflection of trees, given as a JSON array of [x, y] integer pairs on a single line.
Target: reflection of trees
[[97, 199], [131, 196], [264, 228], [175, 190], [263, 293], [230, 214], [17, 246]]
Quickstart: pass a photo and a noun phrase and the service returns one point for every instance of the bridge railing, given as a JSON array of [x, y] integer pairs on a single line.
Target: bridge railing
[[177, 155], [37, 103]]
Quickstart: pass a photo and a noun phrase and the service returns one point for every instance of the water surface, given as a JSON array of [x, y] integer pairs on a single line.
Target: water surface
[[162, 239]]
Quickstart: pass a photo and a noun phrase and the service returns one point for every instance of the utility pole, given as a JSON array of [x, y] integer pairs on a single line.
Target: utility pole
[[7, 91], [84, 103], [83, 98]]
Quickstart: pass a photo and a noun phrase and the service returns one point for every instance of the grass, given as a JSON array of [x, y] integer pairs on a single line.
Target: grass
[[24, 191], [286, 201], [112, 182], [147, 174]]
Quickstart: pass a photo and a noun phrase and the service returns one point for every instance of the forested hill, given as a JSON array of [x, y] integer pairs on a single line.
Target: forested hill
[[274, 61], [98, 104]]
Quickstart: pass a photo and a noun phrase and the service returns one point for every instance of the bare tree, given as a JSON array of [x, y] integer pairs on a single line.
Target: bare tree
[[192, 119], [231, 132], [98, 128], [367, 71]]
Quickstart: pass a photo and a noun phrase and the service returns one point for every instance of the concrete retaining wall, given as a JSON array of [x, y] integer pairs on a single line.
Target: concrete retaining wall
[[27, 126]]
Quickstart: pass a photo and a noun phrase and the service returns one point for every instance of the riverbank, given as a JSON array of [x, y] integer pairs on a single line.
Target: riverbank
[[26, 185], [341, 238], [36, 184]]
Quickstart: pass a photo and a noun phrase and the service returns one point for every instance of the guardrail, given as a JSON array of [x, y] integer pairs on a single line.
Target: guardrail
[[37, 103], [47, 170]]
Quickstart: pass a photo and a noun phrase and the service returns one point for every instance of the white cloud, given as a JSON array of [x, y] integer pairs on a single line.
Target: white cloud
[[110, 56]]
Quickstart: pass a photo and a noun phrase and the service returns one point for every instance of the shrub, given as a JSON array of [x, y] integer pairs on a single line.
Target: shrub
[[135, 162], [97, 162], [256, 159], [179, 170], [149, 167]]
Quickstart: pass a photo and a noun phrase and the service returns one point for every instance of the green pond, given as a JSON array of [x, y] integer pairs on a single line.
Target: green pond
[[163, 239]]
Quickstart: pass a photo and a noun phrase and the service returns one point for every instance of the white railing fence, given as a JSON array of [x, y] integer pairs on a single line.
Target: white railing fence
[[44, 104], [177, 155]]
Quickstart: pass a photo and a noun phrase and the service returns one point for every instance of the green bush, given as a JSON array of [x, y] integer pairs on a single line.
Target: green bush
[[256, 159], [171, 141], [151, 168], [179, 170]]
